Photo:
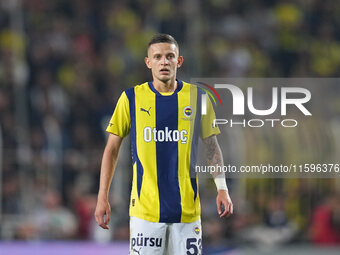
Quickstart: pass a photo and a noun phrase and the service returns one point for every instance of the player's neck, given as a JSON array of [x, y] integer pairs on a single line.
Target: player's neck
[[168, 86]]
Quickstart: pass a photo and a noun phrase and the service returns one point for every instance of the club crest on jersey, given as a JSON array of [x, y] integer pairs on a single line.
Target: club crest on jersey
[[187, 111], [197, 230]]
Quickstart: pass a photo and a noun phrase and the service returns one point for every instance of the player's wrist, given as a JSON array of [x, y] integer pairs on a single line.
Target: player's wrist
[[103, 194], [220, 182]]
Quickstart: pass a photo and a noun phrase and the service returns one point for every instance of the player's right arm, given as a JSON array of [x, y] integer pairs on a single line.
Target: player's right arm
[[118, 128], [108, 166]]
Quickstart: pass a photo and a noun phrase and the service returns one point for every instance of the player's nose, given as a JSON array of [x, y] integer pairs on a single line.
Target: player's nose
[[164, 61]]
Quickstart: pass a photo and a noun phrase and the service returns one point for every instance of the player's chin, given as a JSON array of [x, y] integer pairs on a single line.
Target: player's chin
[[164, 78]]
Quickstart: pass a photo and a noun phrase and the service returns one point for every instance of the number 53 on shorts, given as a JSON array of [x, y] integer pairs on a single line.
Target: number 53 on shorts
[[194, 246]]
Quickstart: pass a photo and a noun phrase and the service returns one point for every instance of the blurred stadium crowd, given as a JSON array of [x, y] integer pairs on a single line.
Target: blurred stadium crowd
[[63, 65]]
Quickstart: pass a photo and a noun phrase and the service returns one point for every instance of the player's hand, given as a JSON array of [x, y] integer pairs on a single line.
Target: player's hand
[[103, 212], [223, 201]]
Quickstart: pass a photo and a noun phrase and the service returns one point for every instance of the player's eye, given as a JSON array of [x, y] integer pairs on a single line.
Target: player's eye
[[157, 56]]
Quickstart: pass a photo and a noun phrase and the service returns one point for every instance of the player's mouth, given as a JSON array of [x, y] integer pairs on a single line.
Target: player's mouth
[[164, 71]]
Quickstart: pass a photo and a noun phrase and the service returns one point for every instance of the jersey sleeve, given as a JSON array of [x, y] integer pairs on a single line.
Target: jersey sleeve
[[120, 122], [207, 122]]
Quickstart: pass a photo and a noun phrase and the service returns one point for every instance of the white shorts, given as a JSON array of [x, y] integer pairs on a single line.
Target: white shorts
[[165, 238]]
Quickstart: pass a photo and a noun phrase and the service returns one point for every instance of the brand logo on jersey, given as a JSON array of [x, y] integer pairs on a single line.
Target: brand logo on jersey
[[187, 111], [166, 135], [197, 230], [136, 251], [147, 111], [142, 241]]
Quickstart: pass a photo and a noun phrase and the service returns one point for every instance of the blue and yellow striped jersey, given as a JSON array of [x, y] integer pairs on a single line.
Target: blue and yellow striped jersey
[[164, 129]]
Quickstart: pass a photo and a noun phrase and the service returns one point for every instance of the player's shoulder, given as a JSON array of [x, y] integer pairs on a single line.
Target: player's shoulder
[[187, 84], [191, 87], [144, 85], [136, 89]]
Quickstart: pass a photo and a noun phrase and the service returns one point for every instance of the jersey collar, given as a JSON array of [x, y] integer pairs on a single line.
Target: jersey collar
[[179, 87]]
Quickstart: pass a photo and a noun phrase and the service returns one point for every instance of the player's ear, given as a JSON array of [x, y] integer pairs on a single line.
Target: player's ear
[[180, 61], [147, 62]]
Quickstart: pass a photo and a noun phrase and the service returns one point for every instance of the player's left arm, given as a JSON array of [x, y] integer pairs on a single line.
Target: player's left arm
[[214, 158]]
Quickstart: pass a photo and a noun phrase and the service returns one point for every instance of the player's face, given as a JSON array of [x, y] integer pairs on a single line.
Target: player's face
[[163, 60]]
